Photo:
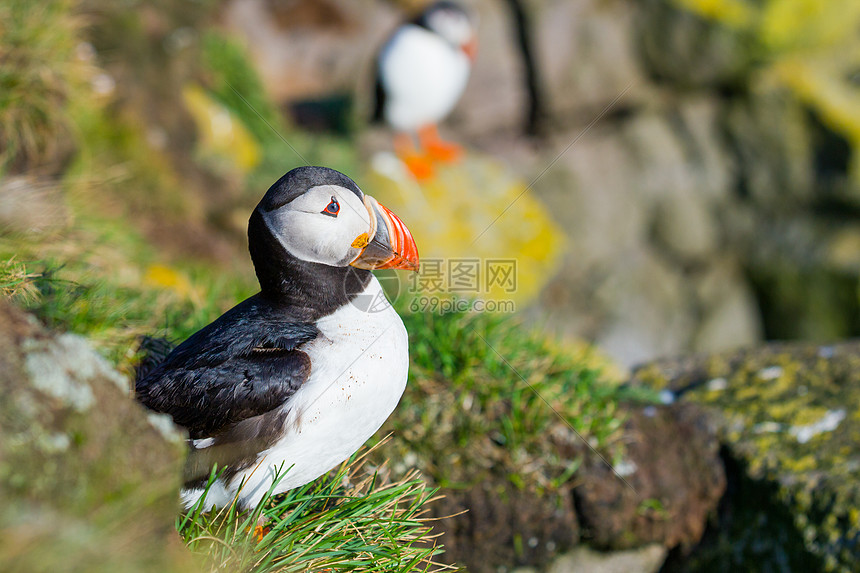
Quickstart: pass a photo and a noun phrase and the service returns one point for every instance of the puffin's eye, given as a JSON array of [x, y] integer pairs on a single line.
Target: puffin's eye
[[332, 209]]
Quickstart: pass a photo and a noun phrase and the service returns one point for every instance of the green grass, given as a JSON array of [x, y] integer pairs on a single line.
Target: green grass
[[17, 282], [489, 390], [513, 373], [39, 73], [350, 520], [72, 298]]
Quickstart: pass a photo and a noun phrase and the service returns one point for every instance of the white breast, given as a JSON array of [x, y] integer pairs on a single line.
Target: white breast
[[359, 369], [423, 77]]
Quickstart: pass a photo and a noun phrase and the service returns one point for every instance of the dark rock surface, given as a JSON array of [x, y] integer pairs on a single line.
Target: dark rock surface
[[672, 481], [751, 528], [88, 480], [497, 524]]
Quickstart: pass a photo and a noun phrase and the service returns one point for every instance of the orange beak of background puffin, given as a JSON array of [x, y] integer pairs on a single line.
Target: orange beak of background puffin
[[470, 48], [388, 244]]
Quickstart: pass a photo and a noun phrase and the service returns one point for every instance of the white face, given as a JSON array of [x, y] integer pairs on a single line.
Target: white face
[[452, 25], [321, 225]]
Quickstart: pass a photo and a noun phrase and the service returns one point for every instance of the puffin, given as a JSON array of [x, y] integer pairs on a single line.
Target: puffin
[[290, 382], [421, 72]]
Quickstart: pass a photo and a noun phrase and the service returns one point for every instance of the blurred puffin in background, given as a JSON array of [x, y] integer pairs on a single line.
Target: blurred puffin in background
[[421, 73], [297, 377]]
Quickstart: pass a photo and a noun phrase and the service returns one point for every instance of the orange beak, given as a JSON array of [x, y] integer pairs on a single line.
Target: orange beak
[[391, 245], [470, 48]]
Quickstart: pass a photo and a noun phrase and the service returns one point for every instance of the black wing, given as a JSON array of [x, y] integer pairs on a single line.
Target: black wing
[[244, 364]]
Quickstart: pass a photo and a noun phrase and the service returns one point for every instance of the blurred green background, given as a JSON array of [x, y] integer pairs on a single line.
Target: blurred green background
[[690, 169]]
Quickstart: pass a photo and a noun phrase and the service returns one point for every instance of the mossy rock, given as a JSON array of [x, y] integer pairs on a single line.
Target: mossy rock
[[788, 413], [88, 480]]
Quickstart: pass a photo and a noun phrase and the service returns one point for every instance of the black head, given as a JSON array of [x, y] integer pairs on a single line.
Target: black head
[[422, 19], [314, 237], [299, 180], [448, 19], [299, 239]]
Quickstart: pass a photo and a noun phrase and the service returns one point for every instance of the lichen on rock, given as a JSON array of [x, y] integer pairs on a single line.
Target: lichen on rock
[[789, 414], [87, 481]]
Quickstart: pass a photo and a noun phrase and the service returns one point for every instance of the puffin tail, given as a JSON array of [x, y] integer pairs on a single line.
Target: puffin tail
[[153, 351]]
